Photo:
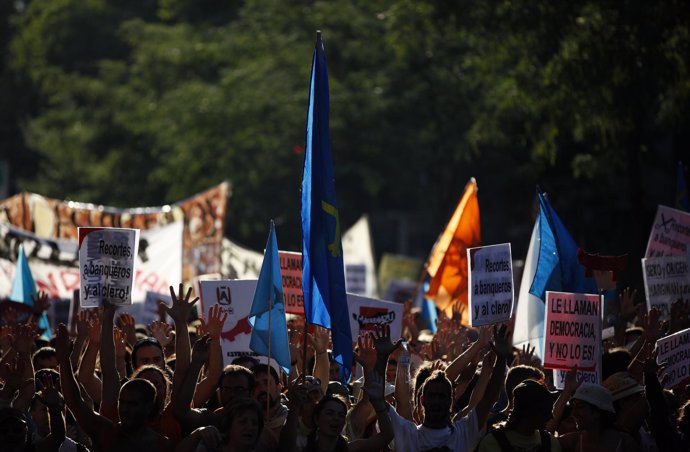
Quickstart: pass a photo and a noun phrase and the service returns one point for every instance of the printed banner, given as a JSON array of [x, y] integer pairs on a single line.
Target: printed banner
[[572, 331], [666, 280], [106, 265], [490, 284], [203, 216], [670, 234], [291, 272], [674, 351], [365, 313], [54, 263], [235, 298]]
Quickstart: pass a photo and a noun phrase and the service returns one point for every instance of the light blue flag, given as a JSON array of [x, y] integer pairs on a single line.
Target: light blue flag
[[428, 315], [682, 201], [268, 309], [24, 289], [323, 276], [557, 266]]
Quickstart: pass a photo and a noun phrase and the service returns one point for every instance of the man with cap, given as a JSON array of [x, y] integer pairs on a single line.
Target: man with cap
[[524, 430], [631, 407], [592, 406]]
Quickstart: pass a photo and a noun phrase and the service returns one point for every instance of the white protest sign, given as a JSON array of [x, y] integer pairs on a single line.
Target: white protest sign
[[106, 265], [365, 313], [674, 350], [588, 376], [670, 233], [572, 331], [235, 298], [291, 272], [490, 284], [666, 280]]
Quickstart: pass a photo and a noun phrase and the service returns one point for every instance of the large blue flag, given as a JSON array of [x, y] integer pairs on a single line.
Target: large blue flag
[[557, 266], [323, 276], [267, 315], [682, 200], [24, 290]]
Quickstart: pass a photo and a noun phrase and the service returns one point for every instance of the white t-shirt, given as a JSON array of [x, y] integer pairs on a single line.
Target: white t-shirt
[[463, 435]]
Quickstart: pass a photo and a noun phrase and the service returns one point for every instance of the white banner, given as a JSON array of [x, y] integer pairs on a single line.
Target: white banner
[[666, 280], [358, 258], [490, 284], [365, 313], [670, 233], [674, 351]]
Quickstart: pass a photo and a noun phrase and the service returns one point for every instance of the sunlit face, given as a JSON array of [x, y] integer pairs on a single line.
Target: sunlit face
[[244, 430], [331, 419], [149, 354]]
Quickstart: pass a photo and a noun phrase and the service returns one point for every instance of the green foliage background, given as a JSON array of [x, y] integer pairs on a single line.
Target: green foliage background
[[142, 102]]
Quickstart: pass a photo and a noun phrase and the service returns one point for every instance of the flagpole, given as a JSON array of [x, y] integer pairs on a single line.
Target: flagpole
[[268, 373]]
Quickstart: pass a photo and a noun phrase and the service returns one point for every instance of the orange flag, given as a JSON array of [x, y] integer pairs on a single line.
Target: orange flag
[[447, 262]]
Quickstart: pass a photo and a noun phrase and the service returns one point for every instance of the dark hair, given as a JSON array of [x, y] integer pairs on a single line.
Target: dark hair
[[615, 360], [266, 369], [43, 353], [423, 372], [520, 373], [439, 376], [236, 408], [324, 400], [147, 341], [146, 390], [234, 369], [160, 403], [246, 361]]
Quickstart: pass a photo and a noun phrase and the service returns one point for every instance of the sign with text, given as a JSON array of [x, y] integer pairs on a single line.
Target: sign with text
[[365, 313], [588, 376], [106, 265], [235, 298], [674, 351], [490, 284], [572, 331], [666, 280], [670, 235], [291, 272]]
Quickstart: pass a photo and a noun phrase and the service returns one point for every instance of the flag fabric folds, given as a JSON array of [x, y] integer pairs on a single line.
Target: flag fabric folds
[[24, 289], [267, 315], [323, 277], [682, 200], [447, 262], [557, 266]]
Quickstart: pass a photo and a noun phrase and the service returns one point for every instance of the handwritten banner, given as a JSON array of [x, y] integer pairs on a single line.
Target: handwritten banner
[[670, 233], [490, 284], [666, 280], [572, 335], [106, 265], [674, 351], [291, 272]]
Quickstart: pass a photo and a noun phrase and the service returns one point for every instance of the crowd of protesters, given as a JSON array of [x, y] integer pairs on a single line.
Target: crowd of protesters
[[114, 385]]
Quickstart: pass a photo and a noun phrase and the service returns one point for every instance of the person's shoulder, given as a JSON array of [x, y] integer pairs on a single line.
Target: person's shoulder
[[488, 444]]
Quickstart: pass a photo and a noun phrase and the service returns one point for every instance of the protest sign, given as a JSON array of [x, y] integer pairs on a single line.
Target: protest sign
[[234, 296], [106, 265], [358, 257], [674, 351], [291, 272], [572, 331], [587, 376], [365, 313], [490, 284], [666, 280], [670, 233]]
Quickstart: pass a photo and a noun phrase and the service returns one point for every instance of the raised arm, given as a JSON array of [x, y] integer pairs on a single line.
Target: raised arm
[[179, 312], [479, 390], [321, 363], [111, 380], [504, 354], [23, 344], [91, 323], [53, 400], [461, 362], [569, 388], [82, 337], [182, 398], [373, 386], [213, 326], [363, 410]]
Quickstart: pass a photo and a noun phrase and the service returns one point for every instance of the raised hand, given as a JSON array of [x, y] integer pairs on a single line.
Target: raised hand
[[628, 309], [120, 342], [201, 349], [10, 316], [41, 302], [49, 394], [320, 338], [382, 340], [213, 325], [162, 332], [652, 326], [181, 306], [571, 382], [128, 327], [83, 324], [297, 396], [524, 356], [502, 344], [374, 385], [366, 352], [95, 329], [679, 316], [63, 344], [24, 339]]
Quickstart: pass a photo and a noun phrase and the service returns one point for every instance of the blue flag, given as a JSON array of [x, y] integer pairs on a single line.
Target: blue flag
[[24, 289], [323, 276], [682, 201], [268, 309], [557, 266]]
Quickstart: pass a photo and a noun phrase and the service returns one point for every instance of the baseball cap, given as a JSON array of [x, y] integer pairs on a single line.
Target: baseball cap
[[596, 395], [622, 385]]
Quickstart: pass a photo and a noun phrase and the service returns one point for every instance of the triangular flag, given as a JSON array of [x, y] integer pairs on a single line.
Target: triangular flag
[[24, 290], [447, 262], [267, 315]]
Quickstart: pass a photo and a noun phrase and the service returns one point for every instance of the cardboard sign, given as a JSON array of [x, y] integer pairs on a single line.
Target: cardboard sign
[[670, 233], [291, 272], [572, 331], [490, 284], [666, 280], [674, 350], [106, 265], [365, 313], [234, 297]]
